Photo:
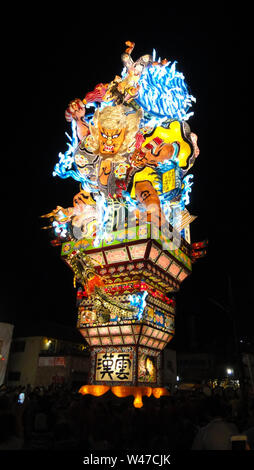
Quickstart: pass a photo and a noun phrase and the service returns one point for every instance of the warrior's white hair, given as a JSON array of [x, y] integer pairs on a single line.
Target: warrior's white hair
[[115, 117]]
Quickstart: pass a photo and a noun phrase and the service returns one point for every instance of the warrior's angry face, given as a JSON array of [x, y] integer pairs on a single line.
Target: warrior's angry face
[[110, 140]]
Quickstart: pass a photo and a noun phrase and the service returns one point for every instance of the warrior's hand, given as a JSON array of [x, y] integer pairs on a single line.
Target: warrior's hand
[[130, 47], [76, 110]]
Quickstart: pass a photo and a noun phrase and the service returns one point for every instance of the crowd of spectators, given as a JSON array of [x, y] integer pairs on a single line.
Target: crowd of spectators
[[58, 418]]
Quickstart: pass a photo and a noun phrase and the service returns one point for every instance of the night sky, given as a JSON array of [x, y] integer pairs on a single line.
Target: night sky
[[55, 60]]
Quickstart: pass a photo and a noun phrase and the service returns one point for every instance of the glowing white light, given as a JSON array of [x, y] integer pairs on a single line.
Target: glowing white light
[[124, 72], [66, 159], [185, 200], [103, 213]]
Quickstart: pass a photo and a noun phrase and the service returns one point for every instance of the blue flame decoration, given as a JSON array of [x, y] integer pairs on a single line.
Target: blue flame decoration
[[67, 168], [163, 93], [138, 300], [132, 204], [185, 199]]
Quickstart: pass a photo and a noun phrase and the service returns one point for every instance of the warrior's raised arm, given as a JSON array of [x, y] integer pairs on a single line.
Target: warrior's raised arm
[[76, 110]]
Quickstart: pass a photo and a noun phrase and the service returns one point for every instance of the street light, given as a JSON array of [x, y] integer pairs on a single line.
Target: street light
[[230, 311]]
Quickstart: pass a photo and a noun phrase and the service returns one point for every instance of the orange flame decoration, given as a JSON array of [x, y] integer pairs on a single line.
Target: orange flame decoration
[[95, 281], [122, 391]]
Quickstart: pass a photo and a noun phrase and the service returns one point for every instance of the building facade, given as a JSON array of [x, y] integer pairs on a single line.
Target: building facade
[[6, 332], [41, 360]]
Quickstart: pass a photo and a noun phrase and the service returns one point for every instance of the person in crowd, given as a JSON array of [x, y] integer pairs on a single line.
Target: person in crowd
[[58, 418], [217, 433]]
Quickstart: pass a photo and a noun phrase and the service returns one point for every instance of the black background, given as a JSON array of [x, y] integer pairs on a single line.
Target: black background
[[50, 58]]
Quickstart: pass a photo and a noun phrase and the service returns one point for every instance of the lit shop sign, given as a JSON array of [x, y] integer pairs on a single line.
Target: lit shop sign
[[114, 366]]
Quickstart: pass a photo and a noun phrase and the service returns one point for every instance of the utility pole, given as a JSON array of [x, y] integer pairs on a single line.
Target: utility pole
[[231, 312]]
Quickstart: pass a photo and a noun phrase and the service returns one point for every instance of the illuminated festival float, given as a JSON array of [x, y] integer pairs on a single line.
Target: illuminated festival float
[[127, 236]]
